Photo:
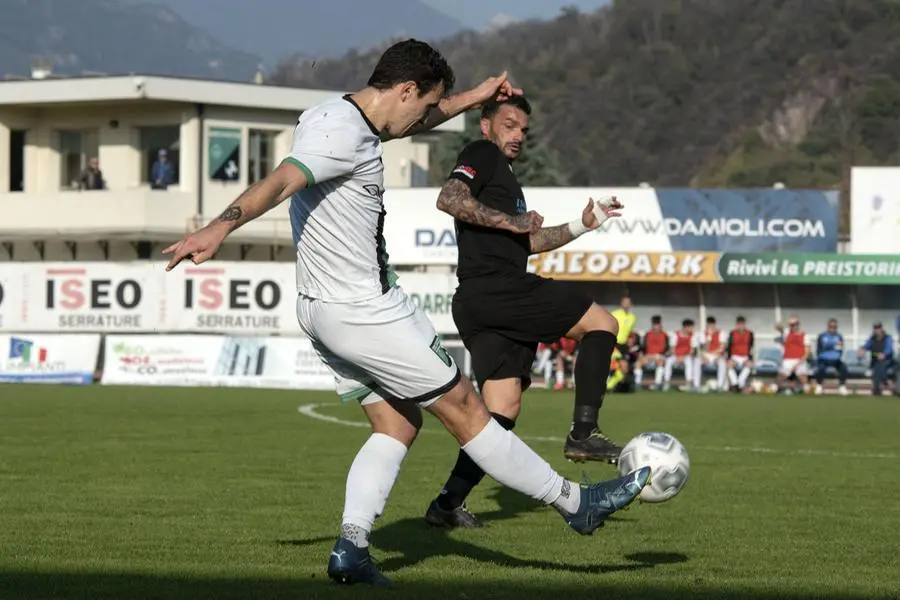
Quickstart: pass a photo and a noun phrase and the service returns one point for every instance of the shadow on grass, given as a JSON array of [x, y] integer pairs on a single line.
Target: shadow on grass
[[125, 586], [416, 542]]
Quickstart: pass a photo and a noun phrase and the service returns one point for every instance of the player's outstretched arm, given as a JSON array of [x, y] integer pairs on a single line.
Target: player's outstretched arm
[[258, 199], [493, 87], [456, 200], [594, 214]]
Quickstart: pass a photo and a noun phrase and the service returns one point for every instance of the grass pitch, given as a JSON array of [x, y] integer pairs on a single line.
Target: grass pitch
[[144, 493]]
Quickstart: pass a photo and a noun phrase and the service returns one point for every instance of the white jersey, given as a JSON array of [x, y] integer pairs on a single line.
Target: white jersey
[[338, 219]]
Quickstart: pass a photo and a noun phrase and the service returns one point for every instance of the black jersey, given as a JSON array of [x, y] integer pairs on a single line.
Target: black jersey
[[485, 251]]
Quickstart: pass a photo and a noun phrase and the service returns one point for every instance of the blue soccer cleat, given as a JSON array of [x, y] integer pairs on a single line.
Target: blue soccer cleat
[[600, 500], [349, 565]]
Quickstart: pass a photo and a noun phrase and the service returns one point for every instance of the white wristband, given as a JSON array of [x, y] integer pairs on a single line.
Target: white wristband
[[577, 228]]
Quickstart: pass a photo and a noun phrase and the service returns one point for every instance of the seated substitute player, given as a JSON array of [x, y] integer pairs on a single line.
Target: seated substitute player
[[830, 353], [545, 362], [383, 350], [502, 311], [796, 354], [684, 353], [654, 351], [739, 351], [712, 353], [565, 360]]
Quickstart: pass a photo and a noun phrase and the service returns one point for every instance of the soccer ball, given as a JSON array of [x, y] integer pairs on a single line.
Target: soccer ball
[[668, 461]]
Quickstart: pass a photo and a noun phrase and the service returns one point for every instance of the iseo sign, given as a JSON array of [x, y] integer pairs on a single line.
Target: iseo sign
[[218, 300], [233, 297], [79, 300]]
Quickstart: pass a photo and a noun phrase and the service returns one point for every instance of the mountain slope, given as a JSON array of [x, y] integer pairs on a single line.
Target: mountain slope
[[114, 37], [275, 29], [680, 92]]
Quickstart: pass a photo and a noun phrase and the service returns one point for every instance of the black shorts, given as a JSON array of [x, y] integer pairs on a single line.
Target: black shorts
[[501, 320]]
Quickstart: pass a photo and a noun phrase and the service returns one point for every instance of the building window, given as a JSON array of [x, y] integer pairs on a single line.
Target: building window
[[261, 153], [76, 148], [159, 155]]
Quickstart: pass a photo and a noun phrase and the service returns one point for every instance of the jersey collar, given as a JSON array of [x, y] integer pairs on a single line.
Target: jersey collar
[[372, 128]]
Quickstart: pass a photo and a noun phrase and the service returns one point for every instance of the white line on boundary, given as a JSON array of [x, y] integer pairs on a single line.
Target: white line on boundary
[[311, 411]]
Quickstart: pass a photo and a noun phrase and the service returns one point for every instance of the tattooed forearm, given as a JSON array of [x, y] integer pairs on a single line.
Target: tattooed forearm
[[232, 213], [456, 200], [256, 200], [550, 238]]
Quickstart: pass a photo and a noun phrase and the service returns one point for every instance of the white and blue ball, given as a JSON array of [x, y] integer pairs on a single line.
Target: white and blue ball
[[668, 461]]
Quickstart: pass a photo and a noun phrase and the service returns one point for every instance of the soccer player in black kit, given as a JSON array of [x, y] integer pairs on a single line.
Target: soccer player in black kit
[[502, 311]]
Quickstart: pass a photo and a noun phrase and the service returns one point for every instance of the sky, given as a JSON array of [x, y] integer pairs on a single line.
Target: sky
[[476, 13]]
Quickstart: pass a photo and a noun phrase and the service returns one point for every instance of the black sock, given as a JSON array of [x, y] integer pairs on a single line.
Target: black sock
[[466, 474], [591, 372]]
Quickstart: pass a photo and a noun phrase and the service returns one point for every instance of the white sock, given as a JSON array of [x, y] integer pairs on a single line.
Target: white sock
[[695, 368], [369, 482], [742, 378], [561, 374], [638, 374], [658, 375], [506, 458], [732, 376], [548, 369], [720, 373], [670, 363]]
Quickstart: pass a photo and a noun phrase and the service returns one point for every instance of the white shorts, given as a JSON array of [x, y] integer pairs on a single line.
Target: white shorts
[[793, 365], [680, 360], [380, 349], [739, 361], [711, 358]]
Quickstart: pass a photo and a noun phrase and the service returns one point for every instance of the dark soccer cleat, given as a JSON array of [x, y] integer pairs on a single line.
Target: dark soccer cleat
[[457, 518], [594, 447], [600, 500], [349, 565]]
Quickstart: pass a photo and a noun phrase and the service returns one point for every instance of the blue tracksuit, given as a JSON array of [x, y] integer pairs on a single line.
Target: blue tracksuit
[[829, 351], [883, 347]]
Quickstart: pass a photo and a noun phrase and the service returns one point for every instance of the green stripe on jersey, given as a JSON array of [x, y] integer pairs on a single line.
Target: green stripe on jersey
[[310, 179]]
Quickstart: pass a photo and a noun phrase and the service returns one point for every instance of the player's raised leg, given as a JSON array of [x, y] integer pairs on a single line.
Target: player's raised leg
[[508, 460], [596, 333]]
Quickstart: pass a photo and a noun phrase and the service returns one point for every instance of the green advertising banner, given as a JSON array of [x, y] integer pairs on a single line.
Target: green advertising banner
[[850, 269], [224, 151]]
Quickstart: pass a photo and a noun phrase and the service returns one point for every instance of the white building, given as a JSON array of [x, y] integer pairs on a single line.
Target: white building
[[220, 137]]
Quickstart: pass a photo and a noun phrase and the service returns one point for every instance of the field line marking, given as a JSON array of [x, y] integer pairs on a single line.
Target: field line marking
[[311, 411]]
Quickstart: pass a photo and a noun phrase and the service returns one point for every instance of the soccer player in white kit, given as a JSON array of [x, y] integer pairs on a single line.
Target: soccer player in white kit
[[383, 351]]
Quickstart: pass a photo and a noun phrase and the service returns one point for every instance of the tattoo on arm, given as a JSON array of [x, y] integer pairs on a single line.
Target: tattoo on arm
[[550, 238], [456, 200], [232, 213]]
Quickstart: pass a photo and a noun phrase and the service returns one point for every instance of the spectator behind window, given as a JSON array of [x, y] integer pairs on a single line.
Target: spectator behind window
[[162, 174], [92, 176]]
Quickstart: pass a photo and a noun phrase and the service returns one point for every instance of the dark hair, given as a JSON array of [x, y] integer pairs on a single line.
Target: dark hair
[[740, 319], [655, 319], [687, 322], [710, 320], [491, 107], [414, 61]]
